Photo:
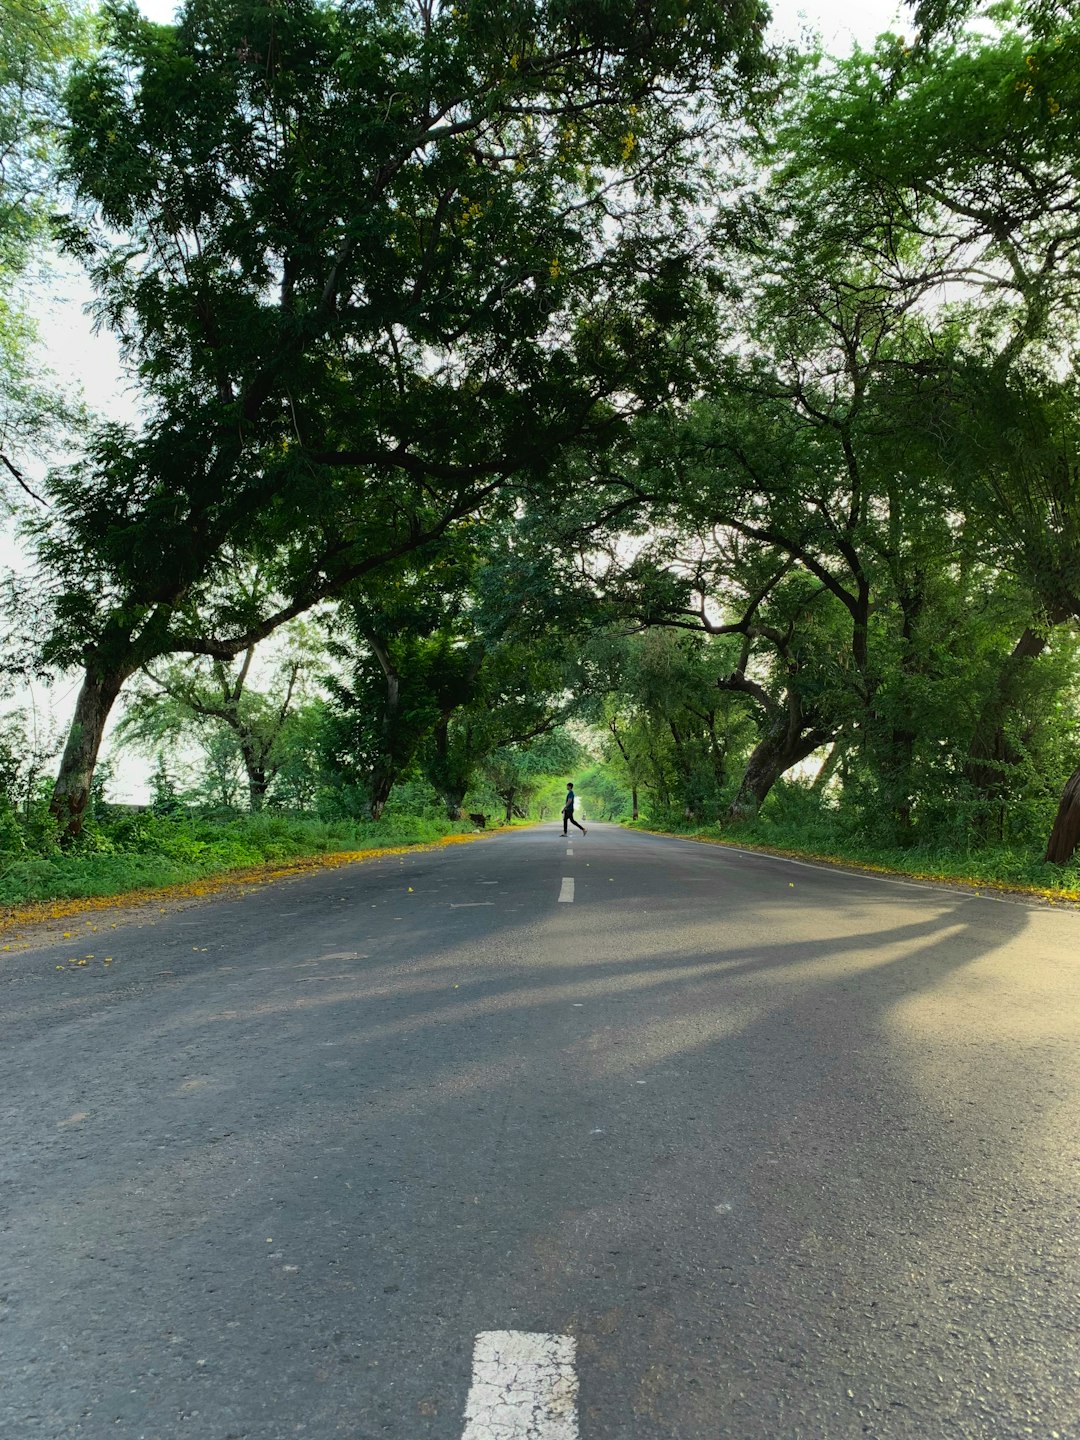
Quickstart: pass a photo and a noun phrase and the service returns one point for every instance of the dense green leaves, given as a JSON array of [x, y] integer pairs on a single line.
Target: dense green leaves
[[373, 266], [37, 40], [259, 738], [875, 493], [606, 407]]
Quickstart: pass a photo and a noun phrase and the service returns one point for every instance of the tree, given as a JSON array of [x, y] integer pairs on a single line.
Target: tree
[[234, 722], [1065, 835], [25, 755], [976, 136], [609, 799], [374, 262], [827, 445], [37, 40], [624, 755], [669, 730], [519, 694], [516, 772], [408, 659], [438, 676]]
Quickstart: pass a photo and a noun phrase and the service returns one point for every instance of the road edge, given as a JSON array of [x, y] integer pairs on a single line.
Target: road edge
[[978, 889], [23, 926]]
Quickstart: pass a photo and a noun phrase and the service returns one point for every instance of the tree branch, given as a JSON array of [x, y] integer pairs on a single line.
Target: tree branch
[[21, 480]]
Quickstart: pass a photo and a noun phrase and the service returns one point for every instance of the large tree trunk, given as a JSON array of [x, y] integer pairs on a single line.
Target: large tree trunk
[[255, 767], [633, 800], [258, 784], [382, 782], [449, 775], [453, 803], [896, 764], [791, 734], [774, 754], [897, 773], [1065, 836], [71, 793], [388, 764]]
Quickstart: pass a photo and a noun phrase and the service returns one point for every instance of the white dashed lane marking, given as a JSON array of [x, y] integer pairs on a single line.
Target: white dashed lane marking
[[567, 891], [524, 1387]]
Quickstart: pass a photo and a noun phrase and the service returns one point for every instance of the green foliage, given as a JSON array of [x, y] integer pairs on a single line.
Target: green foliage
[[406, 667], [134, 850], [873, 503], [668, 731], [370, 274], [26, 827], [609, 797], [266, 741], [38, 38], [521, 691], [795, 823], [437, 675], [428, 321], [518, 773]]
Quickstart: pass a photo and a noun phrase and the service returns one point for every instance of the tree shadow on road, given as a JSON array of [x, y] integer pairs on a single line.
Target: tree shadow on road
[[743, 1146]]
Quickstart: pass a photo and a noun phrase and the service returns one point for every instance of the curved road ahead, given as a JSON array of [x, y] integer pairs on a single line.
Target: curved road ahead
[[718, 1145]]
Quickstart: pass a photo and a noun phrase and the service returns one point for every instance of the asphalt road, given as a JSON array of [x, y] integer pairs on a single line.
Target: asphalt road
[[785, 1152]]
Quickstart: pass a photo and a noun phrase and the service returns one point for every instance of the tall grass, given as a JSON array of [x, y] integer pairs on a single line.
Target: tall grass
[[138, 851], [822, 838]]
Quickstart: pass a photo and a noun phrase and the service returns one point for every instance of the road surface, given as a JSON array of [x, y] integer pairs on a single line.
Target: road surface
[[626, 1138]]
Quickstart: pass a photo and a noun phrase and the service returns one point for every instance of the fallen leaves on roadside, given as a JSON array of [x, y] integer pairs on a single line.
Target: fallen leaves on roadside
[[209, 885]]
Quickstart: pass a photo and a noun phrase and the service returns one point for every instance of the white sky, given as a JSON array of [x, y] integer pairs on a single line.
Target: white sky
[[83, 360]]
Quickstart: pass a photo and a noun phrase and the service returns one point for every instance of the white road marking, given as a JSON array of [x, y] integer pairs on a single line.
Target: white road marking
[[524, 1387], [569, 850], [567, 891]]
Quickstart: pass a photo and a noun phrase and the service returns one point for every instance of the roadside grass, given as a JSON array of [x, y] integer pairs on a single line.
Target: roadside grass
[[147, 852], [990, 868]]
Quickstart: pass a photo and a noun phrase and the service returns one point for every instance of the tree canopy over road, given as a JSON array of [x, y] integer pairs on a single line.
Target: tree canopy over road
[[582, 363]]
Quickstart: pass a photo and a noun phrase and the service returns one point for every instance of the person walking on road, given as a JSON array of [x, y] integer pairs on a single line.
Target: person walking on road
[[568, 810]]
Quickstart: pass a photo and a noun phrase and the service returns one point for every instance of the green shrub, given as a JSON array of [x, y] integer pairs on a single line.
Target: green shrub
[[790, 822], [130, 850]]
